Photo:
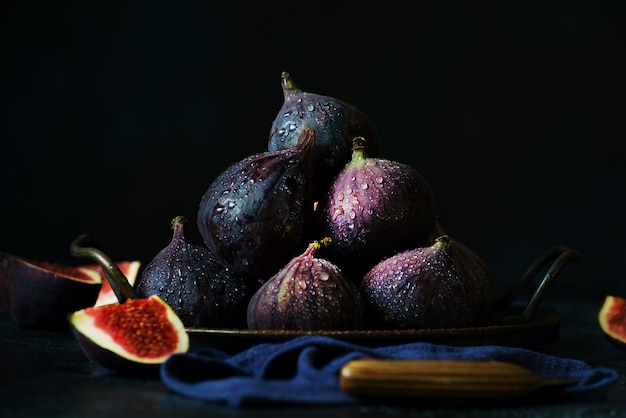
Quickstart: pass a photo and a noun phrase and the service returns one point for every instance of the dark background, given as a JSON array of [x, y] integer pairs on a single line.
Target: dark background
[[117, 117]]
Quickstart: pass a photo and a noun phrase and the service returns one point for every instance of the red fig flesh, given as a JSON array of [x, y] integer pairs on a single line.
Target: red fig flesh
[[130, 269], [612, 320], [133, 337]]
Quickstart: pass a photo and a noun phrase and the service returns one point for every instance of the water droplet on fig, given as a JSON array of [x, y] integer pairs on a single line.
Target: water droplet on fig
[[313, 295], [335, 123], [183, 273], [269, 210]]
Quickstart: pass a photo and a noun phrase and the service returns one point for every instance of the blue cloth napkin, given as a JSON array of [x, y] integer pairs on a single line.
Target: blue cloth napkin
[[305, 370]]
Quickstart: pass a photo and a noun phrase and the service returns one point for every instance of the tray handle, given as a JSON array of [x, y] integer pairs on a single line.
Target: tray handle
[[560, 256], [120, 285]]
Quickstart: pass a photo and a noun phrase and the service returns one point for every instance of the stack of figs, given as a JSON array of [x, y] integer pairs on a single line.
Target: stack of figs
[[319, 232]]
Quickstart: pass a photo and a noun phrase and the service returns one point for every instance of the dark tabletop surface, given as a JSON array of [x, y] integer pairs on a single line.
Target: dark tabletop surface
[[45, 373]]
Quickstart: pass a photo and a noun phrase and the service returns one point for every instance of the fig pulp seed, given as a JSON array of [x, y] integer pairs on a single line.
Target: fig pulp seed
[[139, 326]]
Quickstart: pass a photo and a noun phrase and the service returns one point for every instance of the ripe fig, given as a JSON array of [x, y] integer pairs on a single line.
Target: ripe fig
[[335, 123], [612, 320], [256, 212], [440, 286], [309, 293], [133, 337], [201, 290], [40, 295], [375, 208], [472, 262]]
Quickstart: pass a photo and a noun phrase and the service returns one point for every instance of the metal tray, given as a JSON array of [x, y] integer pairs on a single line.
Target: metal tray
[[511, 322]]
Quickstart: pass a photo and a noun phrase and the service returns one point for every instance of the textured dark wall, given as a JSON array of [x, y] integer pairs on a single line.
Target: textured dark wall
[[116, 117]]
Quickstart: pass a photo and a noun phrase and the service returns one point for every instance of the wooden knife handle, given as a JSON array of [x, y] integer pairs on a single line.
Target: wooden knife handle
[[455, 379]]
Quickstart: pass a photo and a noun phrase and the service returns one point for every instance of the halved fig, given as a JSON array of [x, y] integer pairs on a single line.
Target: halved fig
[[130, 270], [133, 337], [612, 320], [39, 295]]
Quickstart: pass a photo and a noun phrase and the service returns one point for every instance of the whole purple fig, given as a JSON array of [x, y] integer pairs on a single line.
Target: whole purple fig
[[201, 290], [309, 293], [335, 123], [375, 208], [439, 286], [474, 265], [257, 211]]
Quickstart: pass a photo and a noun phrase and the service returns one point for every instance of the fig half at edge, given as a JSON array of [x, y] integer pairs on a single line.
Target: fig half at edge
[[39, 295], [133, 336], [612, 320]]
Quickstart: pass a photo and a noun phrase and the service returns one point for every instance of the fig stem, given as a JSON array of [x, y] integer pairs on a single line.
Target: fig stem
[[119, 283], [359, 152], [288, 86]]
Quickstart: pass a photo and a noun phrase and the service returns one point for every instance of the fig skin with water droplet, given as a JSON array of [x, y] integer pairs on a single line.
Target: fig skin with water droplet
[[200, 290], [309, 293], [335, 123], [439, 286], [257, 211], [476, 267], [376, 208]]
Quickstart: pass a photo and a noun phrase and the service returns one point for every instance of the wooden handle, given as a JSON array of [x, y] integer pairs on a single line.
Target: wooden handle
[[437, 379]]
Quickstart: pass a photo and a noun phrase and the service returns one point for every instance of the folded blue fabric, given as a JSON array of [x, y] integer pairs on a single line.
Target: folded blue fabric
[[305, 370]]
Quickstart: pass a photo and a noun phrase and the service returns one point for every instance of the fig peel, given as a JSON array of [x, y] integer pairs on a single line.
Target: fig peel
[[438, 286], [201, 290], [309, 293], [376, 208], [256, 211], [335, 123], [40, 295]]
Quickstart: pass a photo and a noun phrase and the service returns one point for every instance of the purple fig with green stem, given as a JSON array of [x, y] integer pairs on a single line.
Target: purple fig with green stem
[[309, 293], [376, 207]]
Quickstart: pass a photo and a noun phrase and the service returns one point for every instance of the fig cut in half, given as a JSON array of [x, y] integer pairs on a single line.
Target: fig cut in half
[[40, 295], [133, 337], [130, 270], [612, 320]]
